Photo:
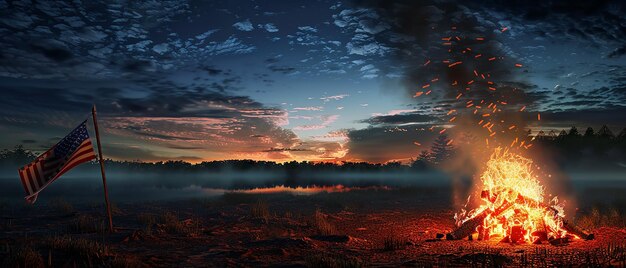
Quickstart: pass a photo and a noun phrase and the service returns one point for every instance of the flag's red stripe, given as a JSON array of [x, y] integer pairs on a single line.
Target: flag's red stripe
[[41, 168], [63, 171], [63, 164], [38, 175], [47, 167], [84, 144], [54, 162], [85, 149], [79, 150], [80, 153], [23, 181], [30, 180], [75, 161], [78, 162], [31, 171], [79, 157], [45, 154], [25, 174], [50, 170]]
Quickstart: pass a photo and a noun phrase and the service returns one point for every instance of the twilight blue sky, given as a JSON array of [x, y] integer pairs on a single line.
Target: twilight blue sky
[[303, 80]]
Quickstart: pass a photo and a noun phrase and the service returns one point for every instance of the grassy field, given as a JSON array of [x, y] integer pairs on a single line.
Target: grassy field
[[353, 229]]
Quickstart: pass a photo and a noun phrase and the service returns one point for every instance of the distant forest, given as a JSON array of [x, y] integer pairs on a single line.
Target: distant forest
[[601, 149], [568, 148]]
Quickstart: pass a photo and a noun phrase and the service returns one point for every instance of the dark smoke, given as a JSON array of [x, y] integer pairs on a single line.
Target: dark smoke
[[415, 37], [417, 29], [421, 25], [443, 33], [435, 35]]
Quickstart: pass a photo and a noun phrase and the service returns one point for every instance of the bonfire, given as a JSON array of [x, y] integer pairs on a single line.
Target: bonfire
[[514, 208]]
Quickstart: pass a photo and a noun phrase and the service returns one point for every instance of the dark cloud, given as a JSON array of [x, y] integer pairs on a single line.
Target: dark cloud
[[286, 150], [58, 54], [29, 141], [105, 39], [272, 60], [183, 147], [142, 132], [135, 153], [398, 143], [398, 119], [613, 115], [585, 103], [137, 65], [611, 92], [212, 71], [281, 69], [166, 116], [46, 97], [602, 97], [597, 22], [618, 52]]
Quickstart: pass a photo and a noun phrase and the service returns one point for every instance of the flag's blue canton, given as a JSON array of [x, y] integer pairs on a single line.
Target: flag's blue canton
[[70, 143]]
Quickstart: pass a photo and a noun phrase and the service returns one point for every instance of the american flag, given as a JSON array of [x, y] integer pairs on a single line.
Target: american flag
[[70, 152]]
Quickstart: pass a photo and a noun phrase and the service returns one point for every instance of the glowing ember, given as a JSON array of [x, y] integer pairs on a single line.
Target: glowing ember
[[513, 206]]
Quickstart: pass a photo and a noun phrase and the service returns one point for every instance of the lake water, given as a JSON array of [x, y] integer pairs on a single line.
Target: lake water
[[592, 189]]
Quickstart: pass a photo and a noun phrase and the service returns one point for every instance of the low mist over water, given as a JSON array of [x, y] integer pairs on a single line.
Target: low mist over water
[[588, 189]]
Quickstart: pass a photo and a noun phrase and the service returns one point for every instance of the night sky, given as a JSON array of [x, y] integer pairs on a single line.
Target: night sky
[[298, 80]]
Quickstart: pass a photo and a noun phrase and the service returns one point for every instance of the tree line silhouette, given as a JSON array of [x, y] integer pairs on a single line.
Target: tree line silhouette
[[568, 147], [19, 156], [602, 148]]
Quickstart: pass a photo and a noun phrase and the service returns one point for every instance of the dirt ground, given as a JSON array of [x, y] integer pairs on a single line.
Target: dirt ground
[[372, 228]]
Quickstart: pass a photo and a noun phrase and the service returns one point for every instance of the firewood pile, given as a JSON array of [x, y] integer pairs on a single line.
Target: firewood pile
[[516, 233]]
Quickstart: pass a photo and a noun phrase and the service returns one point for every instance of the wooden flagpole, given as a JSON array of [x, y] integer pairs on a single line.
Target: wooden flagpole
[[101, 160]]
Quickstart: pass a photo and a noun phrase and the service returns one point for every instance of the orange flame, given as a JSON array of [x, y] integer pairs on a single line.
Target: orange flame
[[508, 179]]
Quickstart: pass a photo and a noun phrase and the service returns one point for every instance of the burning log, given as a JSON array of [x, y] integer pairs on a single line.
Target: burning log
[[576, 230], [572, 228], [469, 226], [514, 206]]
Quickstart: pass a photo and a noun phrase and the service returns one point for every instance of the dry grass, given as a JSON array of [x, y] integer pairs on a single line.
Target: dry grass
[[288, 215], [322, 225], [613, 255], [87, 224], [148, 221], [260, 210], [170, 223], [65, 251], [79, 251], [126, 262], [489, 257], [116, 210], [61, 205], [394, 242], [23, 257], [334, 261], [597, 218]]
